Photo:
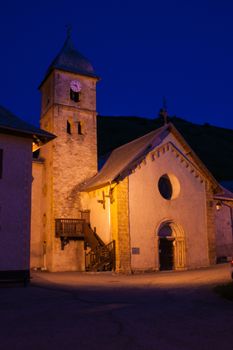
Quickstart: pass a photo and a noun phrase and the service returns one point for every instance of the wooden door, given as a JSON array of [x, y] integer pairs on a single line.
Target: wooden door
[[166, 254]]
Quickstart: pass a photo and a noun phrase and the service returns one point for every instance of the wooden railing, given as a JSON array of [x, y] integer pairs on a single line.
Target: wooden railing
[[102, 258], [92, 240]]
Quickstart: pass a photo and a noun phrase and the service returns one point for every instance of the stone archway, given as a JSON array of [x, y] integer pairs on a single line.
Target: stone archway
[[171, 245]]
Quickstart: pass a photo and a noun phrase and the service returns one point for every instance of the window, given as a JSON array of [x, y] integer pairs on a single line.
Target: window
[[169, 186], [68, 127], [1, 162], [80, 128], [165, 187], [74, 95]]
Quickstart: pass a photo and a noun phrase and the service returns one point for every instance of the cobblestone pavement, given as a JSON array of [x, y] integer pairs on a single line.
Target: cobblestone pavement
[[152, 311]]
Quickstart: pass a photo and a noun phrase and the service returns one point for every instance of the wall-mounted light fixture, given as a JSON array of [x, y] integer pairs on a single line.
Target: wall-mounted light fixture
[[218, 205], [104, 196]]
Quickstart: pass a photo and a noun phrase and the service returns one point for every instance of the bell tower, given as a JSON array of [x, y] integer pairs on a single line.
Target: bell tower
[[68, 110]]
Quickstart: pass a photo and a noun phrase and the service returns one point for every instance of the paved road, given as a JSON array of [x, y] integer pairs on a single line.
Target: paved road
[[153, 311]]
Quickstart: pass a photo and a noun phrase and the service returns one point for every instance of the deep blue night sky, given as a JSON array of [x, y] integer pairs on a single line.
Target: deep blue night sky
[[143, 50]]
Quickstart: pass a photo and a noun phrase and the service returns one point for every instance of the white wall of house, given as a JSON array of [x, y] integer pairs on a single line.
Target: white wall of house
[[15, 202], [148, 209], [224, 231]]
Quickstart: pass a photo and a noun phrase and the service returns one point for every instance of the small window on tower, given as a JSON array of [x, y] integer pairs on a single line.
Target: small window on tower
[[68, 127], [80, 129]]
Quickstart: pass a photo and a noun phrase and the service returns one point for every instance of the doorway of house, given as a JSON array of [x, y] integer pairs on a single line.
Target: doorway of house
[[166, 253], [171, 246], [166, 247]]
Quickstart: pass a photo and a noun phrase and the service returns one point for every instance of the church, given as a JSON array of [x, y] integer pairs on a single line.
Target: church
[[152, 206]]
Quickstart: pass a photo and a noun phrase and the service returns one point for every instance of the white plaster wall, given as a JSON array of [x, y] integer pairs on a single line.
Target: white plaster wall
[[99, 217], [148, 209], [15, 202], [224, 238]]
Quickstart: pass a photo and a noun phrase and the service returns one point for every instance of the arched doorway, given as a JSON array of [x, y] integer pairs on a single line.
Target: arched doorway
[[171, 244]]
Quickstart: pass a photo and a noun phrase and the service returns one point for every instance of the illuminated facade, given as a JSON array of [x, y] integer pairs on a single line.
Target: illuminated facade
[[151, 207], [68, 110], [168, 200]]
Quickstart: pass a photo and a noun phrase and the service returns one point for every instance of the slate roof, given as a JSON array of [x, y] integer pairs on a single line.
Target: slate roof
[[70, 60], [10, 124], [125, 158], [113, 132]]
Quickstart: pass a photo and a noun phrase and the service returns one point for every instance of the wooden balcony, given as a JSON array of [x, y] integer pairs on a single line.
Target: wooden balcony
[[69, 228]]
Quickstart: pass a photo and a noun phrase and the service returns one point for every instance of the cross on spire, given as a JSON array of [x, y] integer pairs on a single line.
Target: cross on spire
[[163, 111], [68, 30]]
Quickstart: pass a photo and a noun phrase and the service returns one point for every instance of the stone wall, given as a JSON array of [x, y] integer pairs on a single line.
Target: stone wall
[[120, 226], [69, 160], [37, 213], [211, 228]]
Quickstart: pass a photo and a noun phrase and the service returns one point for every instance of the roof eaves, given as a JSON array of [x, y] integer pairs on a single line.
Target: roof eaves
[[64, 69], [160, 134], [198, 161], [126, 170], [224, 194], [89, 188], [222, 197], [39, 137]]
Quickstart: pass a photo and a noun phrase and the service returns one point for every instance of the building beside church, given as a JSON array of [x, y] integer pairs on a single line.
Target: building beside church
[[17, 140], [151, 207]]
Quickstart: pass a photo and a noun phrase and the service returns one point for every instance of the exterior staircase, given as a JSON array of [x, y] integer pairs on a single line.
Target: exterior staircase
[[98, 255], [102, 258]]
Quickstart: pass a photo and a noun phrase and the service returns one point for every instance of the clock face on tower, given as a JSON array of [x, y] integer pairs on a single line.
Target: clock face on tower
[[75, 86]]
